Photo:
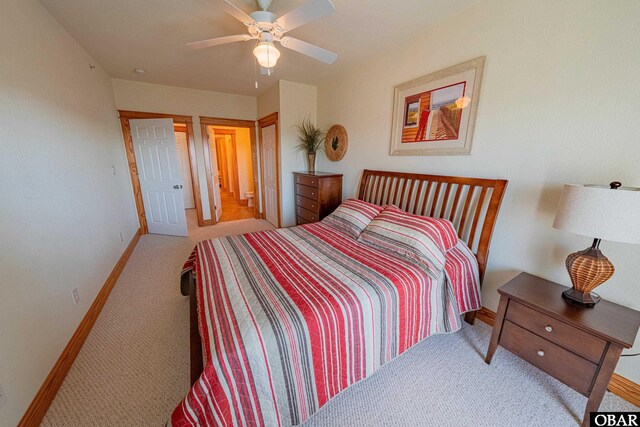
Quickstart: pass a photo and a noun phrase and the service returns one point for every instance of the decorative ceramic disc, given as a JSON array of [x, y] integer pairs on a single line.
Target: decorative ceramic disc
[[336, 143]]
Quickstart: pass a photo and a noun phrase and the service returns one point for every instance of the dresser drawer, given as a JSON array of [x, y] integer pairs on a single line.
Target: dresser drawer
[[308, 204], [573, 370], [573, 339], [310, 181], [308, 192], [308, 215]]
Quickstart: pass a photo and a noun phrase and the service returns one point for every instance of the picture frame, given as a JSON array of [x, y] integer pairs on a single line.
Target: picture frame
[[435, 115]]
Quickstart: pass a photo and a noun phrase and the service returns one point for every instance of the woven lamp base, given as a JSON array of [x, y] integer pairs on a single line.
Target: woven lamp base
[[588, 269]]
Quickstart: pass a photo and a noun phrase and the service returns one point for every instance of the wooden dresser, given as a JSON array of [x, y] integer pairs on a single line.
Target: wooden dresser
[[576, 345], [317, 195]]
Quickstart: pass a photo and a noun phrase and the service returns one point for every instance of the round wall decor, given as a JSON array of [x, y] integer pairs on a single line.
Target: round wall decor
[[336, 143]]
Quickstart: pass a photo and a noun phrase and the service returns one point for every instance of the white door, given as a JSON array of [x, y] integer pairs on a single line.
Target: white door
[[215, 171], [154, 144], [270, 169], [185, 169]]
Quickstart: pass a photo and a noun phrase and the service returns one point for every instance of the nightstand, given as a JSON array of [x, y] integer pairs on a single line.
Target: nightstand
[[576, 345]]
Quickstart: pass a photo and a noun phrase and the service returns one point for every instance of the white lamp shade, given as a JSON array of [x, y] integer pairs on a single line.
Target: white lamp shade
[[600, 212], [266, 54]]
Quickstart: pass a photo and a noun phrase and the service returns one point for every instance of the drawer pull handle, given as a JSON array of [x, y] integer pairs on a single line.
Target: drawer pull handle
[[540, 353], [548, 328]]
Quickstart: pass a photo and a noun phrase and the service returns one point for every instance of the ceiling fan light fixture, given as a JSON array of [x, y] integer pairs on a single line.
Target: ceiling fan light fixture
[[266, 54]]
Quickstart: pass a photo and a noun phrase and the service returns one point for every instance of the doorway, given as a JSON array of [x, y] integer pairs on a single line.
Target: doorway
[[231, 168], [188, 175]]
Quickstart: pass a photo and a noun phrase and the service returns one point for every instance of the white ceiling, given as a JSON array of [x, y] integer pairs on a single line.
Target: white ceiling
[[151, 34]]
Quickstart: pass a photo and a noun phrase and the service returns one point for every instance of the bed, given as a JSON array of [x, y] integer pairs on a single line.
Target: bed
[[283, 320]]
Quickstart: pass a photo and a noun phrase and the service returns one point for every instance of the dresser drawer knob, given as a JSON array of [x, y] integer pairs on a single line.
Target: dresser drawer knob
[[540, 353], [548, 328]]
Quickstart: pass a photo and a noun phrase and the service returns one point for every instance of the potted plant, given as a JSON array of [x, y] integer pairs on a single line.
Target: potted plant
[[310, 138]]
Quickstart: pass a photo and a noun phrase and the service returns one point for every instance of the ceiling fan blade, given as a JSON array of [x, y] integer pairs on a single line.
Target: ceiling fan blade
[[219, 40], [308, 12], [233, 10], [308, 49]]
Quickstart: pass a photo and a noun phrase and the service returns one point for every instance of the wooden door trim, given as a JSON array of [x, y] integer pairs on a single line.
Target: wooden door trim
[[249, 124], [271, 119], [215, 121], [208, 171], [125, 116]]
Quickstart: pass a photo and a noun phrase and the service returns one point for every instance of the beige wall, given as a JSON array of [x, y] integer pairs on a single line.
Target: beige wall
[[269, 101], [297, 101], [154, 98], [62, 208], [559, 105], [293, 102]]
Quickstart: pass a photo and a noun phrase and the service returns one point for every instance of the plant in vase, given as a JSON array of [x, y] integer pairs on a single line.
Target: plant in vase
[[310, 139]]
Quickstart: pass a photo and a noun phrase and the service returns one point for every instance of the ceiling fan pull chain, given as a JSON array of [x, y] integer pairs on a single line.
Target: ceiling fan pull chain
[[255, 70]]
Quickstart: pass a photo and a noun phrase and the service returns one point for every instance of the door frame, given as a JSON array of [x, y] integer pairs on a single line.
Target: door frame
[[271, 119], [236, 123], [125, 116]]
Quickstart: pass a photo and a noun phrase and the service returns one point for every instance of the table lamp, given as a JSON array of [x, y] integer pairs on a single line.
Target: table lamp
[[605, 213]]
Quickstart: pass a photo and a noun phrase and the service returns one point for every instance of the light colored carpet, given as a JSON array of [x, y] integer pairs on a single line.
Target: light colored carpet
[[134, 367]]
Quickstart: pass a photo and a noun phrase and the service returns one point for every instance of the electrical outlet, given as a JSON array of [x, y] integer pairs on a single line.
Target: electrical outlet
[[3, 397], [76, 296], [114, 169], [121, 238]]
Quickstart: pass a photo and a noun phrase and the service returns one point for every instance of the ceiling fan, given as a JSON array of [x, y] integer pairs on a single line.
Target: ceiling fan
[[267, 28]]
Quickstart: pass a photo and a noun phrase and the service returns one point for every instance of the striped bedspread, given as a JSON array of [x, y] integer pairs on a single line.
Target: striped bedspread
[[291, 317]]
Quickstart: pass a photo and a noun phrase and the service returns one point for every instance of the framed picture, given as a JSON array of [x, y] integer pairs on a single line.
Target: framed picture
[[434, 115]]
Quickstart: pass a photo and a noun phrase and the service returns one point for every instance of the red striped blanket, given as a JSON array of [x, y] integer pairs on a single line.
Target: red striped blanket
[[291, 317]]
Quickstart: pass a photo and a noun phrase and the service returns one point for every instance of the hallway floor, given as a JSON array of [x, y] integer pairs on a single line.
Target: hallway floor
[[231, 211]]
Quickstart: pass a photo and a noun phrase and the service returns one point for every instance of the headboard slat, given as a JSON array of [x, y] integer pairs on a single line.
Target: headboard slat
[[456, 199], [411, 193], [476, 216], [435, 199], [465, 210], [426, 198], [445, 202], [382, 187]]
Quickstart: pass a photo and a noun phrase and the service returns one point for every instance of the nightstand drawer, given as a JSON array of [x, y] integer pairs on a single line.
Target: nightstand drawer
[[311, 181], [573, 370], [308, 192], [307, 215], [308, 204], [573, 339]]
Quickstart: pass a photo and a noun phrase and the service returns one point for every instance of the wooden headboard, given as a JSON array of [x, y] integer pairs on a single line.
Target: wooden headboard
[[471, 204]]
